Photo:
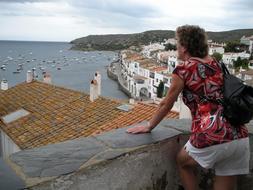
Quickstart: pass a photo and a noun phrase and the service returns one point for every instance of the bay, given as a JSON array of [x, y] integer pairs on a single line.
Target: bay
[[70, 69]]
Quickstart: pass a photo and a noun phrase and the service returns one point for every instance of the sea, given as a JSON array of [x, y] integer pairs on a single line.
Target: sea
[[68, 68]]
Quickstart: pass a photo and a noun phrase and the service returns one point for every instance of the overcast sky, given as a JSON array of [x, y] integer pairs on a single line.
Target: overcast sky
[[65, 20]]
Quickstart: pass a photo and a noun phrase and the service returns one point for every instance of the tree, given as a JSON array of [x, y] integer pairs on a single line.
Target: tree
[[237, 63], [160, 89], [234, 46], [170, 46], [244, 63], [217, 56]]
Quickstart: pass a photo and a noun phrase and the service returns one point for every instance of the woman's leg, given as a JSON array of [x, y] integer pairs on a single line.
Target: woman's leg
[[186, 166], [225, 182]]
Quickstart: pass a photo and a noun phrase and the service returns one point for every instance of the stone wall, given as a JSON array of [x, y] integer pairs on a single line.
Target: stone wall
[[113, 161]]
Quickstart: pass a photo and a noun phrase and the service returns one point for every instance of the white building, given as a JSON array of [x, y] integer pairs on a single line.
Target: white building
[[246, 75], [163, 56], [229, 57], [172, 61], [144, 75], [172, 41], [216, 49], [247, 41], [251, 46], [149, 49]]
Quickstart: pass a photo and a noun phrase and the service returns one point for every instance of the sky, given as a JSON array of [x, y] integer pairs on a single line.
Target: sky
[[65, 20]]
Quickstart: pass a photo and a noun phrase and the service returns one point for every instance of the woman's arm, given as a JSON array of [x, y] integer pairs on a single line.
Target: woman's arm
[[164, 107]]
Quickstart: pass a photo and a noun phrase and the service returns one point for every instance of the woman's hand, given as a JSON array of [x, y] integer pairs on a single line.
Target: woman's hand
[[143, 128]]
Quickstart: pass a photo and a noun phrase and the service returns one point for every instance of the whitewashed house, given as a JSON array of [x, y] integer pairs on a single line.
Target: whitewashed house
[[251, 46], [155, 47], [247, 41], [229, 57], [172, 61], [216, 48], [246, 75], [172, 41], [163, 56]]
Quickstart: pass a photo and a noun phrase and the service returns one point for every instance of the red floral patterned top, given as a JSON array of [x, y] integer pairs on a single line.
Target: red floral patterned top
[[209, 127]]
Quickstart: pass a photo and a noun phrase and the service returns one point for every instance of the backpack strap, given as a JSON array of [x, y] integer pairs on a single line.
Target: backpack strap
[[224, 68]]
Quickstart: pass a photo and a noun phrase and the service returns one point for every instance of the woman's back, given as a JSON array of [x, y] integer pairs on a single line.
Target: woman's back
[[203, 80]]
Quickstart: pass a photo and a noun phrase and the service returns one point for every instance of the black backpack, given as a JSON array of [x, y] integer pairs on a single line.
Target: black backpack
[[237, 99]]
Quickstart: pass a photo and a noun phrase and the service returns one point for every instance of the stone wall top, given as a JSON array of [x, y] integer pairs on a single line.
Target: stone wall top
[[39, 164]]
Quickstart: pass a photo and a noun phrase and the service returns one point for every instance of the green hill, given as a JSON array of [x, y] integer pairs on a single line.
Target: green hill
[[123, 41]]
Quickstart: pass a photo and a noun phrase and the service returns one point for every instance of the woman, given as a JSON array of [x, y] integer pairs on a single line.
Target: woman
[[213, 143]]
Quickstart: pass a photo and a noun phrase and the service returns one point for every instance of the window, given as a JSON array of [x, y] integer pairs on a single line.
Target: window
[[152, 75]]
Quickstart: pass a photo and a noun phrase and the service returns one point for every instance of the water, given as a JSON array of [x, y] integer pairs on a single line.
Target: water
[[71, 69]]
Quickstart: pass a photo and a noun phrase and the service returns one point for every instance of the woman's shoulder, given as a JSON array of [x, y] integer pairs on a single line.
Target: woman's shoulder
[[189, 64]]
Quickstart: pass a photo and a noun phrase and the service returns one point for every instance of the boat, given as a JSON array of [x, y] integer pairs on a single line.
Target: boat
[[16, 72]]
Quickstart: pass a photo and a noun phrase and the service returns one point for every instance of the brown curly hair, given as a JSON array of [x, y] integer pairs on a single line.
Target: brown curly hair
[[194, 39]]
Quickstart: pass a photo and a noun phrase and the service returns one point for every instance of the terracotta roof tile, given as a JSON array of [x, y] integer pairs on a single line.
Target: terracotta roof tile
[[58, 114], [139, 113]]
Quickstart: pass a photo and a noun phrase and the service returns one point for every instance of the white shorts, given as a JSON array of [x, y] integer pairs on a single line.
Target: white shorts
[[231, 158]]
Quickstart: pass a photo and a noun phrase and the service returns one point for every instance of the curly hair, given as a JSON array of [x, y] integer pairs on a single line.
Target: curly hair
[[194, 39]]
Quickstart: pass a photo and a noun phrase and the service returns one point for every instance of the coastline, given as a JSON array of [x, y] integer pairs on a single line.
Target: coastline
[[113, 72]]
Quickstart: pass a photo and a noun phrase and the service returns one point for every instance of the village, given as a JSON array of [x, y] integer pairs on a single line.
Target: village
[[146, 74], [52, 135]]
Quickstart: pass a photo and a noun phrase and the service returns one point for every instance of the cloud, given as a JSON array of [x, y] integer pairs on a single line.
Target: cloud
[[129, 8], [69, 19], [24, 1]]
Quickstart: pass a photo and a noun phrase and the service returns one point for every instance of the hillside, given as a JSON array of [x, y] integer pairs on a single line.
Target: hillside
[[123, 41]]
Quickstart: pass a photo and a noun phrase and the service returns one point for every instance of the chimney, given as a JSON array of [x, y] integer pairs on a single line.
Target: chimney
[[33, 72], [131, 101], [47, 78], [4, 84], [98, 79], [93, 90], [29, 76]]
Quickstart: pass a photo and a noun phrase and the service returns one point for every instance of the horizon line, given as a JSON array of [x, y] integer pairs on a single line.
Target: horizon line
[[33, 41]]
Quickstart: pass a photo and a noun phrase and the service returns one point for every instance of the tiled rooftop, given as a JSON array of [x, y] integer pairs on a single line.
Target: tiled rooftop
[[133, 56], [140, 113], [58, 114], [160, 68]]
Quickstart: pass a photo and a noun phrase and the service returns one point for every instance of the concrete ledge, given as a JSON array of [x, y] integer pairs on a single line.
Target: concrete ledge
[[50, 162], [114, 160], [182, 125]]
